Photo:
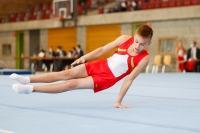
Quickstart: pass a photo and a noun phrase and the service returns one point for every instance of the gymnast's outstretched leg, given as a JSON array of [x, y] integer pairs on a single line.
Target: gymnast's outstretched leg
[[76, 72], [81, 83]]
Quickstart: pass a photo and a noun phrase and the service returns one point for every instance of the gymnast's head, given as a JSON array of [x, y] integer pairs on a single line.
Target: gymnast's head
[[143, 36], [145, 32]]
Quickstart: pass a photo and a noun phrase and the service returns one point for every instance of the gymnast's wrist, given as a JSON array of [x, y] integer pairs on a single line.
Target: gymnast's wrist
[[118, 101], [82, 58]]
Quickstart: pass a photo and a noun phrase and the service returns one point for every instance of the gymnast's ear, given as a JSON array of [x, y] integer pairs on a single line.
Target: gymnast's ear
[[149, 42]]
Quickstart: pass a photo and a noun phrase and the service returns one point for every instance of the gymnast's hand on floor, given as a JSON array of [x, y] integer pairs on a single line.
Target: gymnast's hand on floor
[[119, 105], [78, 61]]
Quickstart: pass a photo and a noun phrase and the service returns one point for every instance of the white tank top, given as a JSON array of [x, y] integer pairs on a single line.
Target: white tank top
[[118, 64]]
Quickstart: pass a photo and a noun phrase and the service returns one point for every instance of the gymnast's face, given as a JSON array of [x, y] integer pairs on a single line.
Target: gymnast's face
[[140, 43]]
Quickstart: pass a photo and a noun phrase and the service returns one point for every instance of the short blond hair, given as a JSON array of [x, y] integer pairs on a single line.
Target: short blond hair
[[144, 31]]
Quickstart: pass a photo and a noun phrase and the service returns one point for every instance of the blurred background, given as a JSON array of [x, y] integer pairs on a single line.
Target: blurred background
[[63, 28]]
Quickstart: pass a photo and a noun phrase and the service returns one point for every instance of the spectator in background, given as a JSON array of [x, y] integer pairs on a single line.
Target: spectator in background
[[100, 10], [123, 5], [193, 57], [51, 52], [116, 6], [131, 5], [42, 52], [134, 4], [60, 52], [110, 10], [79, 51], [138, 4], [180, 56], [58, 64], [69, 54], [74, 52], [84, 3]]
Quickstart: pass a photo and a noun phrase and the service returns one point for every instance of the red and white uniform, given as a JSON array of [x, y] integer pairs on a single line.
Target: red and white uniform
[[106, 73], [181, 58]]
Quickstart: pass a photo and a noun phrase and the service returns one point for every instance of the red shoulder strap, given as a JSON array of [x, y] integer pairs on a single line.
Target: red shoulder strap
[[127, 43], [139, 57]]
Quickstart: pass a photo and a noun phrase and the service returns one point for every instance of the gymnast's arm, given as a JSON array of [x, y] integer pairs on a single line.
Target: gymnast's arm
[[102, 50], [128, 81]]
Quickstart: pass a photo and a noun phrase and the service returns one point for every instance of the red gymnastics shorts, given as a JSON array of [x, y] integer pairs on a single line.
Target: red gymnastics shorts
[[102, 76]]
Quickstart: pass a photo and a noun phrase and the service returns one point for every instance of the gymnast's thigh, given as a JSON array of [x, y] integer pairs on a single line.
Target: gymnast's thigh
[[76, 72]]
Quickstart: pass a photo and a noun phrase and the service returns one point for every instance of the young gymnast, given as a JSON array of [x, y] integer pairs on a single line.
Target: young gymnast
[[129, 60]]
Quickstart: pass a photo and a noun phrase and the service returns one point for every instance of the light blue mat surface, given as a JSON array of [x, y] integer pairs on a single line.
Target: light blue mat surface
[[161, 103]]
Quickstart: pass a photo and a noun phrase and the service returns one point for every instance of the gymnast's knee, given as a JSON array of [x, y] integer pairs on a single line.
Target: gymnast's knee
[[66, 74], [72, 84]]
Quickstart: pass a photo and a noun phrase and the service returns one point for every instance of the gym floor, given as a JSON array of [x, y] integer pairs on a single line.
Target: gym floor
[[161, 103]]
